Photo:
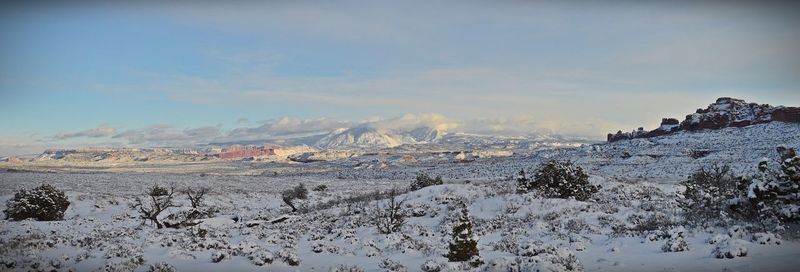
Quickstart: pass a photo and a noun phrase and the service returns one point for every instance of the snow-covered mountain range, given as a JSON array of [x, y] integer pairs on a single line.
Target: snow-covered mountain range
[[370, 137]]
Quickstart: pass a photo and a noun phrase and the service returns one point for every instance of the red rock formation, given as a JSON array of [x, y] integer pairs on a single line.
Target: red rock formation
[[786, 114], [725, 112]]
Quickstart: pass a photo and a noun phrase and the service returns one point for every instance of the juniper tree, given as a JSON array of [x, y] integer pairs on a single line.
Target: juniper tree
[[43, 203], [707, 192], [523, 183], [771, 197], [464, 246], [559, 179], [298, 192], [423, 180]]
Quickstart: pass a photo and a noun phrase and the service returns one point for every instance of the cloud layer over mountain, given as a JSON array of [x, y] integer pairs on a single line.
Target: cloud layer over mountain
[[288, 127]]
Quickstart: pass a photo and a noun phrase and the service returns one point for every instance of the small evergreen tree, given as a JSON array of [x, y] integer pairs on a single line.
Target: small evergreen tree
[[707, 193], [464, 246], [771, 197], [523, 184], [423, 180], [43, 203], [557, 179]]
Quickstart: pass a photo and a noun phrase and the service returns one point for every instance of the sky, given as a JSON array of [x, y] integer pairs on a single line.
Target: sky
[[93, 74]]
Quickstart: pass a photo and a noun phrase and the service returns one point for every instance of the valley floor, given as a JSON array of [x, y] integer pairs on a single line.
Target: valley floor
[[622, 228]]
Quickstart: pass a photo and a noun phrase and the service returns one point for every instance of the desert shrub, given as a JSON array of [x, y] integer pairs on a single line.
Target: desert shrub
[[218, 256], [536, 256], [297, 192], [523, 183], [559, 179], [261, 257], [391, 266], [43, 203], [423, 180], [346, 268], [676, 241], [190, 217], [390, 217], [771, 197], [464, 246], [155, 200], [431, 266], [161, 267], [707, 193], [642, 222], [289, 256], [729, 248], [320, 188], [196, 196]]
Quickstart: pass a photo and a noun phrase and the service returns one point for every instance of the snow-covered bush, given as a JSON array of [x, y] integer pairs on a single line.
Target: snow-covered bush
[[738, 232], [464, 246], [676, 241], [642, 222], [431, 266], [716, 239], [346, 268], [392, 266], [218, 256], [559, 179], [324, 246], [536, 256], [320, 188], [771, 198], [730, 248], [161, 267], [766, 238], [707, 193], [43, 203], [297, 192], [289, 256], [261, 257], [423, 180]]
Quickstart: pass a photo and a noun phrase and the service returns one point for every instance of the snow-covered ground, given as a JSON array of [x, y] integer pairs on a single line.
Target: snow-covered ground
[[624, 227]]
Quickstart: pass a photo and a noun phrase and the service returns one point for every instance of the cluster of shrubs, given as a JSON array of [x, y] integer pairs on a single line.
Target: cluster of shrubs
[[557, 179], [769, 198]]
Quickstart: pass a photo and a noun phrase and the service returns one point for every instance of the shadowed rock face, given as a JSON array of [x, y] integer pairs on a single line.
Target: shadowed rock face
[[725, 112], [787, 114]]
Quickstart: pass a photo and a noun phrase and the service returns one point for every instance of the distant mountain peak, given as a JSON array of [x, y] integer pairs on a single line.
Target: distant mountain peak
[[372, 137]]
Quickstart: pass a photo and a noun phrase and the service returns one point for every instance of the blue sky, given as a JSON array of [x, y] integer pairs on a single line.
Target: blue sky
[[83, 74]]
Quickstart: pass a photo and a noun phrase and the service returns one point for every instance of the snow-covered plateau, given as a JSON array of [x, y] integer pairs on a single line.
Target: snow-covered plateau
[[633, 223]]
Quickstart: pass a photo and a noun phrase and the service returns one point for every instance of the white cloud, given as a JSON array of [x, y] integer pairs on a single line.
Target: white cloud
[[98, 132], [168, 135]]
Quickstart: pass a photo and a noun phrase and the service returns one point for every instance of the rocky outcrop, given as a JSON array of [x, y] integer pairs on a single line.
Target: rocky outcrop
[[786, 114], [725, 112]]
